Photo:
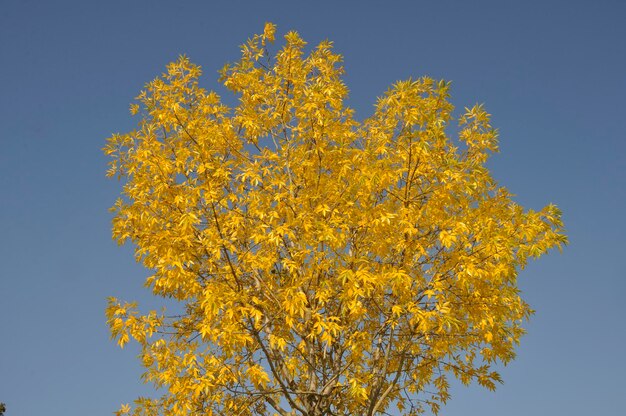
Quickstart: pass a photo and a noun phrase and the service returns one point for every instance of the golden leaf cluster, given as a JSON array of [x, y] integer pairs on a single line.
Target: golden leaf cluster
[[324, 266]]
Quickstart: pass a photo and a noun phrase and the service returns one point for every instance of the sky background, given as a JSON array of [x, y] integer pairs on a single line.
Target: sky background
[[552, 74]]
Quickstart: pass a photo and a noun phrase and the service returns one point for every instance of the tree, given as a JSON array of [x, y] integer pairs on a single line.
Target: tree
[[3, 409], [324, 266]]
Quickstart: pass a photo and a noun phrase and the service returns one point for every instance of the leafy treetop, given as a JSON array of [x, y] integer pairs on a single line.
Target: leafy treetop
[[324, 266]]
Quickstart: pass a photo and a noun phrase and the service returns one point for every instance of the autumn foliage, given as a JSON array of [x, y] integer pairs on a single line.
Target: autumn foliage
[[324, 265]]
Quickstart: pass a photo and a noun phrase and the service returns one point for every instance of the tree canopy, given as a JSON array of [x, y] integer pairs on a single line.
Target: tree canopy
[[324, 265]]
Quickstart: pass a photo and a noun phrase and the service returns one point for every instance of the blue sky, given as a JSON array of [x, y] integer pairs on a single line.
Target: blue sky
[[553, 74]]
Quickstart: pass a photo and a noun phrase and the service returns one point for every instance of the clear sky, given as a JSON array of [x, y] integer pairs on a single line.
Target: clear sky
[[552, 73]]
